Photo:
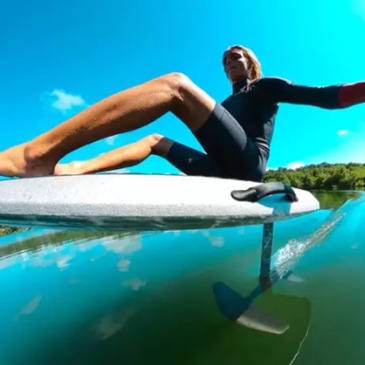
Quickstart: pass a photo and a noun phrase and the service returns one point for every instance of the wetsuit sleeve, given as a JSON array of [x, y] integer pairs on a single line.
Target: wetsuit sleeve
[[279, 90]]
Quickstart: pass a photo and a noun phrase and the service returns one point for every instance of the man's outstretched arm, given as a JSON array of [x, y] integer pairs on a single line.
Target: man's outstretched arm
[[279, 90]]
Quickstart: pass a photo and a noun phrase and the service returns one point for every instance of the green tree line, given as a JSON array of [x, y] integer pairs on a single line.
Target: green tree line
[[4, 230], [324, 176]]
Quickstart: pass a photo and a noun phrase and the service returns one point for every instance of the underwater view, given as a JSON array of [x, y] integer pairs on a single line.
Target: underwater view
[[188, 297]]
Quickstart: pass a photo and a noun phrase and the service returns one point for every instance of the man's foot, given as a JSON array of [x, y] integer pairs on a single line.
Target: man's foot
[[17, 162], [72, 168]]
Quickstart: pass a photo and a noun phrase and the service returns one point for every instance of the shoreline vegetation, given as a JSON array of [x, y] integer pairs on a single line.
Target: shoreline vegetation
[[5, 230], [324, 176]]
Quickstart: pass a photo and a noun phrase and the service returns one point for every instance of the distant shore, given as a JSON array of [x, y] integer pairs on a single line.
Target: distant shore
[[8, 230], [324, 176]]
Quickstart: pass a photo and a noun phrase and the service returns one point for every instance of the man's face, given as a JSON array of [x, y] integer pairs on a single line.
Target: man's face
[[235, 65]]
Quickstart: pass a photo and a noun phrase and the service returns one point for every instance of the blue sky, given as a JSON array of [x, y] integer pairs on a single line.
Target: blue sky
[[59, 57]]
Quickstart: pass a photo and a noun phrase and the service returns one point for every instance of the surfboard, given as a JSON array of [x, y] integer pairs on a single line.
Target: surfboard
[[128, 201]]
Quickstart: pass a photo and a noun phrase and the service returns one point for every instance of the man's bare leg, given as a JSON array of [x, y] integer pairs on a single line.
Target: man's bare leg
[[119, 158], [121, 112]]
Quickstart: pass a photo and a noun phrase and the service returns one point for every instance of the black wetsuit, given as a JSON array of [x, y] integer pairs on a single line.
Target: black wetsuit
[[238, 133]]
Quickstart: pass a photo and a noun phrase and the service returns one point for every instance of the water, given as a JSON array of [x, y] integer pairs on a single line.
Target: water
[[188, 297]]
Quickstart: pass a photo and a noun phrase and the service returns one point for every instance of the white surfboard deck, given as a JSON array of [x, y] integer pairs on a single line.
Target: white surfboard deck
[[140, 202]]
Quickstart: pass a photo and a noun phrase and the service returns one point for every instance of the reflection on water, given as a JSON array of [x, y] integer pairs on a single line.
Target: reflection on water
[[187, 297], [334, 200]]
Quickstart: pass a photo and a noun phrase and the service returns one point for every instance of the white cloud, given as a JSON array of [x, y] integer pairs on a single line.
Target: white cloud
[[111, 140], [122, 171], [342, 132], [63, 101], [358, 8], [295, 165], [125, 245], [134, 284], [30, 307], [111, 323], [217, 241], [63, 262], [9, 261], [123, 265]]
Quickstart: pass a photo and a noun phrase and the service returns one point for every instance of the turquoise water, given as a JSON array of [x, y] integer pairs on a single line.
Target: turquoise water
[[72, 297]]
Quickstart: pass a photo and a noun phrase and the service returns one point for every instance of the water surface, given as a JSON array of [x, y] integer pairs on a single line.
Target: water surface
[[188, 297]]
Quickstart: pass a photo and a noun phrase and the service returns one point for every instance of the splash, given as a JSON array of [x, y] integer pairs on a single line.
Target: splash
[[287, 256]]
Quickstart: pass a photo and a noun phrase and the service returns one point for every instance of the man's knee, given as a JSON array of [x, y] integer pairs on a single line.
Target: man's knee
[[153, 139], [179, 84], [159, 144]]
